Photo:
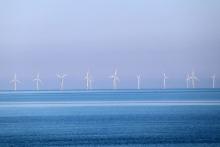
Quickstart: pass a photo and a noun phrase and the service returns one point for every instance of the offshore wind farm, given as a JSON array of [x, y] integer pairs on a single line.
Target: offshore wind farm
[[191, 80], [110, 73]]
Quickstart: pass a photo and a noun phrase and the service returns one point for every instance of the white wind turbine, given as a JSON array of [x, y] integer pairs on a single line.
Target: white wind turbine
[[114, 78], [15, 81], [164, 80], [88, 80], [138, 81], [187, 80], [213, 80], [38, 81], [193, 78], [61, 78]]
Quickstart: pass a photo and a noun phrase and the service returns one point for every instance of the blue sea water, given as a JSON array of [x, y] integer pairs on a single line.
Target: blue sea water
[[155, 118]]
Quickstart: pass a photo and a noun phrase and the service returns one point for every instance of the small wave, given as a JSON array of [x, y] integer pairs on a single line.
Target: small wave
[[105, 103]]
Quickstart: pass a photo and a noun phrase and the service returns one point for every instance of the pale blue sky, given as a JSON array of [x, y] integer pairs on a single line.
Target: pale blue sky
[[136, 36]]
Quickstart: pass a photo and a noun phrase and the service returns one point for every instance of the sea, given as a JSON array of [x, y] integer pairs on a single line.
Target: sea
[[111, 118]]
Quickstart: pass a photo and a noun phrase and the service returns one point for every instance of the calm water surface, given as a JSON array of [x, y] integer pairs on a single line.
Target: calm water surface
[[45, 118]]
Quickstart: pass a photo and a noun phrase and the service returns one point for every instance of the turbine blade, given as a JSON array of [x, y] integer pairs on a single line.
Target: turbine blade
[[40, 80], [58, 76]]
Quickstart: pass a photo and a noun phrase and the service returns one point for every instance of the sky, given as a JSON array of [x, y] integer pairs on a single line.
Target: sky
[[146, 37]]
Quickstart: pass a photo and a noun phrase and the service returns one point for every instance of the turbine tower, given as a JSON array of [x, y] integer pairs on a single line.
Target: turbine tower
[[37, 80], [114, 78], [61, 78], [138, 81], [88, 80], [187, 80], [193, 78], [15, 81], [164, 80], [213, 80]]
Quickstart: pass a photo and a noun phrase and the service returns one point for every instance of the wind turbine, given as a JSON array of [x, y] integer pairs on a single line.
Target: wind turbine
[[15, 81], [187, 80], [138, 81], [213, 80], [61, 78], [193, 78], [114, 78], [37, 80], [164, 80], [87, 78]]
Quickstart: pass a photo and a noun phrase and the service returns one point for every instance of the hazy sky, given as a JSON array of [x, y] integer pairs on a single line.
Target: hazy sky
[[135, 36]]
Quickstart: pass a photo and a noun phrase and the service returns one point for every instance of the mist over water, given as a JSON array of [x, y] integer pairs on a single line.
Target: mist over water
[[141, 37]]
